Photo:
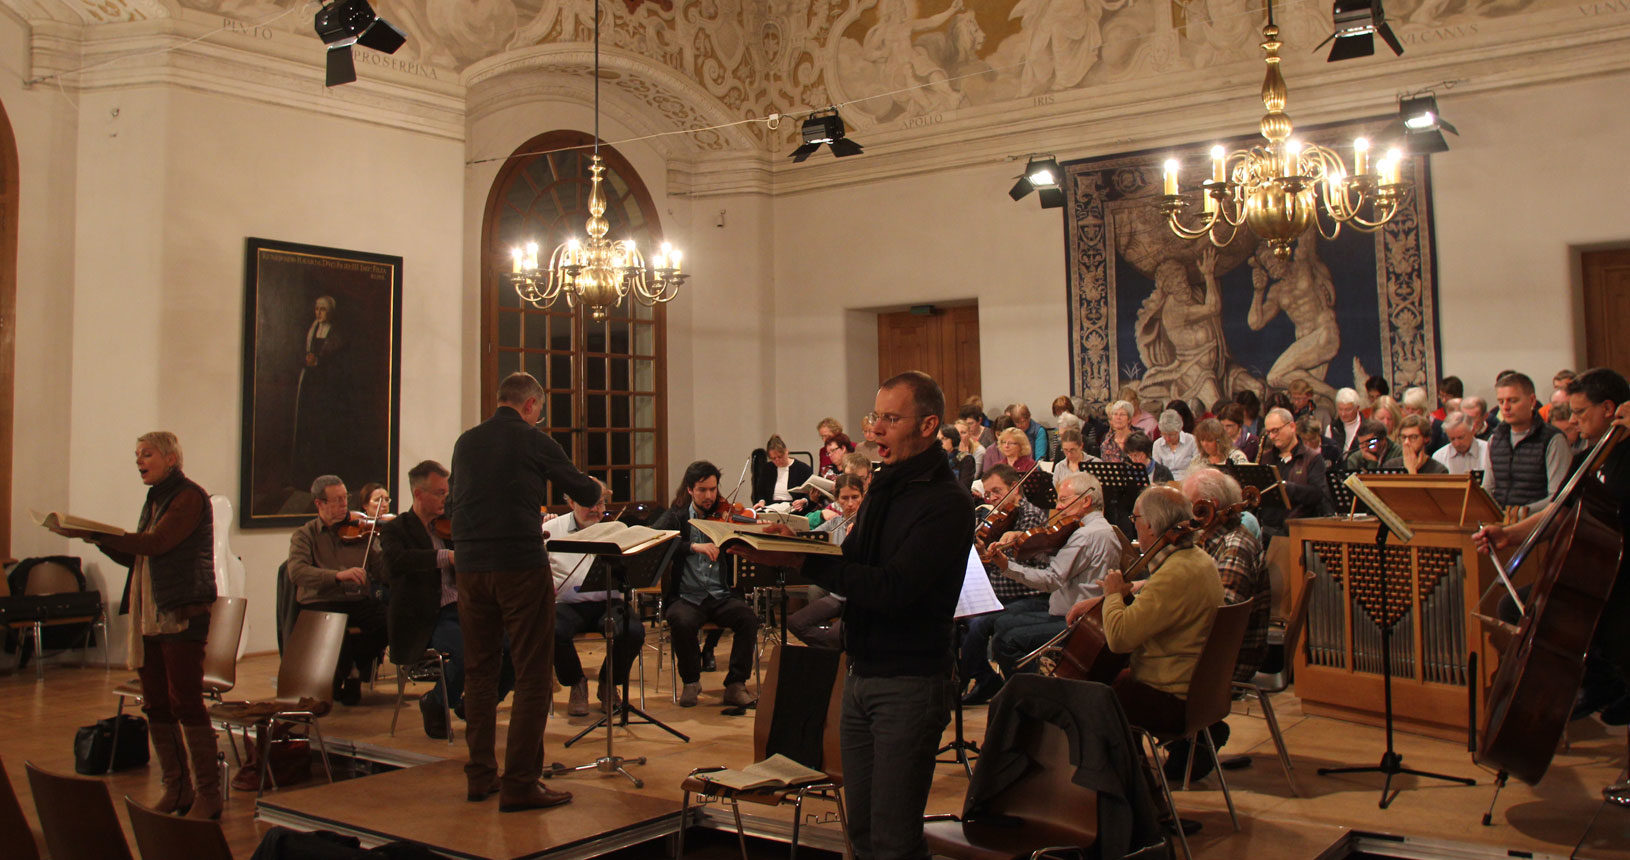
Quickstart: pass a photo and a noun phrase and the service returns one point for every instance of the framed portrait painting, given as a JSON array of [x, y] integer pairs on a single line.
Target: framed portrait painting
[[1191, 320], [321, 371]]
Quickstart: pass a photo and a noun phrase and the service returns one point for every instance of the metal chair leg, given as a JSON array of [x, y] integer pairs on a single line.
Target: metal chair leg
[[797, 820], [39, 651], [1278, 740], [322, 748], [1221, 779], [401, 692], [741, 832], [1153, 761]]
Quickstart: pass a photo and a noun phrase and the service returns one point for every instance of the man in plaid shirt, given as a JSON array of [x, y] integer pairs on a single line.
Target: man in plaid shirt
[[974, 664], [1243, 565]]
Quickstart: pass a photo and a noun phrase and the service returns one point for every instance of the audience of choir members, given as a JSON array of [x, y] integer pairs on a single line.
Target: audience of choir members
[[1215, 446], [775, 479], [1012, 449], [1530, 458], [1072, 456], [1417, 402], [1344, 430], [1476, 410], [1300, 467], [1033, 431], [974, 408], [1563, 419], [1175, 449], [1252, 405], [1302, 403], [1235, 430], [833, 449], [1375, 387], [1064, 417], [1465, 452], [962, 464], [1450, 388], [1374, 448], [1184, 411], [866, 445], [1142, 419], [1311, 432], [829, 429], [1140, 450], [1559, 393], [1112, 448], [1387, 411], [970, 431], [1414, 457]]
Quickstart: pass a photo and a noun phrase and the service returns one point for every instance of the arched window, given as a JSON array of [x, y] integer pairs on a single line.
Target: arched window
[[605, 381]]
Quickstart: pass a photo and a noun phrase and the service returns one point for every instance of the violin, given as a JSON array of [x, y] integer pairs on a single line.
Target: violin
[[1047, 537], [1000, 516], [1082, 651], [357, 528], [442, 527], [731, 512]]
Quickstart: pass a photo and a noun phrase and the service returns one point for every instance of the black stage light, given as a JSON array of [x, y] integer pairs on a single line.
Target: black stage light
[[1423, 126], [1041, 175], [353, 22], [825, 127], [1358, 22]]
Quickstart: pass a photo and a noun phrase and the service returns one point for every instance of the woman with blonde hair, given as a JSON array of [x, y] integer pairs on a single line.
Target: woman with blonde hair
[[1012, 448], [1215, 446], [1387, 411], [168, 594]]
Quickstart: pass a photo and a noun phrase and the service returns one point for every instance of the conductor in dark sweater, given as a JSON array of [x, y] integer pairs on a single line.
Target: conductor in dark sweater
[[501, 471], [901, 571]]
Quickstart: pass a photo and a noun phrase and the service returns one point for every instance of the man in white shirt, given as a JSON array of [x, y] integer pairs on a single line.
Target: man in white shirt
[[1465, 452], [1072, 576], [1174, 449], [584, 612]]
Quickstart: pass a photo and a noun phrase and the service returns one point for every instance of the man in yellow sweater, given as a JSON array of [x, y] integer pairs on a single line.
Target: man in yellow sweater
[[1166, 626]]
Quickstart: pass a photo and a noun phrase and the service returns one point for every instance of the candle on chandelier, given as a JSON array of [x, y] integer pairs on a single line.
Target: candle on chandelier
[[532, 255], [1293, 158], [515, 254], [661, 259], [1219, 158], [1170, 177], [1361, 156], [674, 258]]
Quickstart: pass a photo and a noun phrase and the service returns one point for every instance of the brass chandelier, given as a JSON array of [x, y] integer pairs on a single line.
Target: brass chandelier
[[598, 273], [1277, 187]]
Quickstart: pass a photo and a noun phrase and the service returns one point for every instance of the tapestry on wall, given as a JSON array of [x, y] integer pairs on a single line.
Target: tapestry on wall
[[1189, 319], [322, 335]]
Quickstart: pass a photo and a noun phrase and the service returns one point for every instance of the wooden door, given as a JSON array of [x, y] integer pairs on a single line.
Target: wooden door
[[9, 178], [1607, 308], [944, 344]]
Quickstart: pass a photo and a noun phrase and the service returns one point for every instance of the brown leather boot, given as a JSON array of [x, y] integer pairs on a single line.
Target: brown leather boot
[[206, 771], [166, 740]]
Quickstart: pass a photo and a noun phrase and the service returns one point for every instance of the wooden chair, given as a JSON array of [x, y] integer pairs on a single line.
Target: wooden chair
[[429, 668], [220, 657], [77, 817], [803, 666], [15, 833], [162, 837], [307, 672], [1209, 700]]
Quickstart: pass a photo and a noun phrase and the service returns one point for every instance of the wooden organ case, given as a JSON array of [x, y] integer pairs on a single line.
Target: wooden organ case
[[1434, 584]]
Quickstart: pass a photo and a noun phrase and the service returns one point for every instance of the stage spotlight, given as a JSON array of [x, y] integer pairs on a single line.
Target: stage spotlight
[[825, 127], [1358, 22], [353, 22], [1423, 126], [1043, 176]]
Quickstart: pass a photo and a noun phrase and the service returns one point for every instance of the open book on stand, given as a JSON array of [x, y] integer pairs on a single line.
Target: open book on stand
[[777, 771], [57, 520], [727, 535], [612, 538]]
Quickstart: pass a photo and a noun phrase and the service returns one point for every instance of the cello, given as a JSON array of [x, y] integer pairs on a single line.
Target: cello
[[1542, 667], [1082, 650]]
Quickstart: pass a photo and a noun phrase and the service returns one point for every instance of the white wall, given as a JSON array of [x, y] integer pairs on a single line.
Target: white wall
[[168, 188], [1535, 172]]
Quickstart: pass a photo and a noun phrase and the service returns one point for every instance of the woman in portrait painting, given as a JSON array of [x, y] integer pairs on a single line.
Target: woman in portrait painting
[[320, 399]]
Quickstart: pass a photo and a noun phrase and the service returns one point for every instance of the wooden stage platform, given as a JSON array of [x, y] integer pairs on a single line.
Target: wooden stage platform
[[1334, 816]]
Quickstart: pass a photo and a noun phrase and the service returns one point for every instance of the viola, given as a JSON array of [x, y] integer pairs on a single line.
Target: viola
[[1082, 650], [1541, 668], [442, 527]]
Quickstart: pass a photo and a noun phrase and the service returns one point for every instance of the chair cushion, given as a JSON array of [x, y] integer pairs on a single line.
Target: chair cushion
[[1003, 838]]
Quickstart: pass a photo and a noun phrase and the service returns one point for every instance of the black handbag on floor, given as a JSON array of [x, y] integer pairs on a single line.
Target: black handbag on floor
[[93, 745]]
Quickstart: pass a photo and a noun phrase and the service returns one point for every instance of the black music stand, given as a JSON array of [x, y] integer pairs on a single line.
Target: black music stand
[[613, 571], [1392, 761], [1336, 479], [1121, 482], [963, 751], [753, 575]]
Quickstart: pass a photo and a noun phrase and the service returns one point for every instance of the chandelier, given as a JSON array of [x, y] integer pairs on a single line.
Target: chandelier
[[598, 273], [1277, 187]]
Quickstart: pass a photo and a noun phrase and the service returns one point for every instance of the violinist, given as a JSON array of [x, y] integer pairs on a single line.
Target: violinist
[[1243, 566], [1166, 627], [697, 591], [1020, 516], [334, 575], [1072, 575], [578, 611], [1599, 398]]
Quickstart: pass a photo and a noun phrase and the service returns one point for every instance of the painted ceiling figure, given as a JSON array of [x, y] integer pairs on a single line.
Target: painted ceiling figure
[[1064, 38], [1303, 289]]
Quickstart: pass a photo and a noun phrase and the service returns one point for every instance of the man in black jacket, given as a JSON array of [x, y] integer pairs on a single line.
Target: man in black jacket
[[697, 591], [901, 571], [424, 596], [501, 471]]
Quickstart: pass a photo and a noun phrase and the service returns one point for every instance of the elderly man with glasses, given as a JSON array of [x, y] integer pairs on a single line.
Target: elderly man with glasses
[[1301, 468]]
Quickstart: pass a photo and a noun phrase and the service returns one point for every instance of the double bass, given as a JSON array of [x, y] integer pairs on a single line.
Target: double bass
[[1542, 667], [1082, 650]]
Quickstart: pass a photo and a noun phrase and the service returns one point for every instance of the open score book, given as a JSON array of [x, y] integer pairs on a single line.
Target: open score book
[[777, 771], [57, 520]]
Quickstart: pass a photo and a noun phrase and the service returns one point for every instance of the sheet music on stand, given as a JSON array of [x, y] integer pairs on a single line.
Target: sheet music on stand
[[977, 597], [1343, 496], [1262, 477], [1122, 482], [641, 570]]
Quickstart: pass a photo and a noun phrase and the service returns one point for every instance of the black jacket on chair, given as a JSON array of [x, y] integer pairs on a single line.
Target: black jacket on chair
[[410, 564], [764, 478]]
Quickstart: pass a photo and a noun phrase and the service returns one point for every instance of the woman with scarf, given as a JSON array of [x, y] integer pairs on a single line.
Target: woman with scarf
[[168, 595]]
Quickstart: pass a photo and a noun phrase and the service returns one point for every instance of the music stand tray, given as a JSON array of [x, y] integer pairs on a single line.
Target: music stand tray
[[614, 571]]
